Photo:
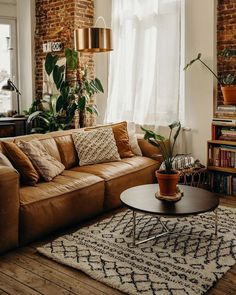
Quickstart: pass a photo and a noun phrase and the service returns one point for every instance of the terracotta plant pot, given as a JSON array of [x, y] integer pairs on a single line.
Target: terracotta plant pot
[[229, 94], [167, 182]]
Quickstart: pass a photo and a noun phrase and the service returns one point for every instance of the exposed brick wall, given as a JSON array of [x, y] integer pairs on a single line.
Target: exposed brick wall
[[226, 38], [56, 21]]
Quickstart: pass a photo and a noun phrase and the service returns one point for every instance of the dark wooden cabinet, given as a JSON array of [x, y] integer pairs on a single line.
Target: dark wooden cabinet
[[10, 126]]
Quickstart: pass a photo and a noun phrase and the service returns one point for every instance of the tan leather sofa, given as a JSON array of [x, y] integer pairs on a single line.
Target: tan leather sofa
[[78, 194]]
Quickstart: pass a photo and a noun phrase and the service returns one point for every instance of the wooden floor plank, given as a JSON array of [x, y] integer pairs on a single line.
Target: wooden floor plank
[[39, 284], [66, 282], [11, 286], [68, 271]]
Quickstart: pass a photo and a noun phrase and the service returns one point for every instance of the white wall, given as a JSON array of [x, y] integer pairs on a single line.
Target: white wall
[[102, 8], [199, 83], [26, 28], [8, 8]]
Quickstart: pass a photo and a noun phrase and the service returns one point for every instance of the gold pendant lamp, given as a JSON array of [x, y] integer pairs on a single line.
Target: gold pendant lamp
[[93, 39]]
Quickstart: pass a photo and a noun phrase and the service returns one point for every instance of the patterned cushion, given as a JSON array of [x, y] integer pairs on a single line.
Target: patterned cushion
[[96, 146], [47, 166]]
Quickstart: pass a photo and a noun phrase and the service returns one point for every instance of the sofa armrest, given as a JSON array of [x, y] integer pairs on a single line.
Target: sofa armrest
[[149, 150], [9, 208]]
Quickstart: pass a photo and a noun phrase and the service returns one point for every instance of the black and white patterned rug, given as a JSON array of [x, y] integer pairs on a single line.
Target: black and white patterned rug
[[188, 261]]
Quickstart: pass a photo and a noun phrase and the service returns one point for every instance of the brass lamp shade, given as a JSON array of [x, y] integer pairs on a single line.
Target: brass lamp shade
[[93, 39]]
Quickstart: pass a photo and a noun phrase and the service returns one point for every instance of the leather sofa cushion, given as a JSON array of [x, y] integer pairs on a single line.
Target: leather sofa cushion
[[121, 175], [66, 182], [66, 147], [111, 170], [69, 198]]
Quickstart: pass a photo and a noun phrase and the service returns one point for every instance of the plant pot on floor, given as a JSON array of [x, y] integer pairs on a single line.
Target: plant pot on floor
[[229, 94], [167, 182]]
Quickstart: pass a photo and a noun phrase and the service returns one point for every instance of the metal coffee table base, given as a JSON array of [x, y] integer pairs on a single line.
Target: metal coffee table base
[[166, 231]]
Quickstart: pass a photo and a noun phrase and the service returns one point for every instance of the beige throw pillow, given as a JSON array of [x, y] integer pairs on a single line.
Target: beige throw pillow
[[96, 146], [47, 166]]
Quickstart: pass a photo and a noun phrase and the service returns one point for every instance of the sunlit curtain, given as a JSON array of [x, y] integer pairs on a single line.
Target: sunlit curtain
[[145, 66]]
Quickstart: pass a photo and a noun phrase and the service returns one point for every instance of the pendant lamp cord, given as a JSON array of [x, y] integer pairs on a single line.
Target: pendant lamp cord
[[100, 18]]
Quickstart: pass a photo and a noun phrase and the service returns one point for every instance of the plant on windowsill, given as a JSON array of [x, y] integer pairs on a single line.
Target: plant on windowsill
[[167, 178], [56, 113], [227, 83]]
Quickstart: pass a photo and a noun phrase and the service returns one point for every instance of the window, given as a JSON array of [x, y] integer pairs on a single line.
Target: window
[[146, 70], [7, 61]]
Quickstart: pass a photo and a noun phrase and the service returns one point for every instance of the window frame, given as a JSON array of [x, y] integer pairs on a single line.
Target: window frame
[[11, 21]]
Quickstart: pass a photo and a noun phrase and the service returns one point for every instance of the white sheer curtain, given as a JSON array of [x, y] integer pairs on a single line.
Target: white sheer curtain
[[144, 71]]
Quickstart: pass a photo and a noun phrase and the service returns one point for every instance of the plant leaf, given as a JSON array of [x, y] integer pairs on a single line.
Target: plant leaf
[[71, 58], [98, 85], [82, 103], [58, 75], [33, 116], [193, 61], [50, 62]]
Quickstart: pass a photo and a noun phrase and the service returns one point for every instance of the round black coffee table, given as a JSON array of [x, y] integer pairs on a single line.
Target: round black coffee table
[[142, 199]]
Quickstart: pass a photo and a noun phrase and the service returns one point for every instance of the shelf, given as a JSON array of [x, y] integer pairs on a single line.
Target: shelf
[[224, 142], [222, 169]]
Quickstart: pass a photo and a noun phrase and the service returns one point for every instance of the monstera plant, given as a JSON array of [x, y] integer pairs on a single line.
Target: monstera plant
[[74, 94]]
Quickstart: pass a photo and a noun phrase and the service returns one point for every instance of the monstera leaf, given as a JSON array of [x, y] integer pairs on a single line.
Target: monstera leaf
[[50, 63], [71, 58]]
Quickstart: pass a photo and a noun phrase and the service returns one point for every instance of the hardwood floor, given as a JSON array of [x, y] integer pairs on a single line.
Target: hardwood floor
[[23, 272]]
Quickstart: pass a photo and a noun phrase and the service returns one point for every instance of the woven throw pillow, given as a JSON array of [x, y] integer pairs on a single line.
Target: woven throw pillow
[[47, 166], [96, 146], [28, 174], [121, 137], [133, 141]]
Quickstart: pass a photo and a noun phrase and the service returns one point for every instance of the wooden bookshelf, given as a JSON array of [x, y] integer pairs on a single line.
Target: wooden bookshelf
[[221, 157]]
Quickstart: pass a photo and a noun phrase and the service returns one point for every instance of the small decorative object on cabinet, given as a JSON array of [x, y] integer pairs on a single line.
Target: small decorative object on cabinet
[[222, 157]]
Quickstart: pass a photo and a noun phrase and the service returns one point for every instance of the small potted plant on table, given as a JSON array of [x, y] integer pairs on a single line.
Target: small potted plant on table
[[168, 177]]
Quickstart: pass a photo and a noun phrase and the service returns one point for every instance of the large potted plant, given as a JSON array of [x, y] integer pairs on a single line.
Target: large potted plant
[[168, 177], [55, 113], [227, 83]]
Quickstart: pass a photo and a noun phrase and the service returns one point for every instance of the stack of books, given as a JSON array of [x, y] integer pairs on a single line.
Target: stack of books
[[228, 133]]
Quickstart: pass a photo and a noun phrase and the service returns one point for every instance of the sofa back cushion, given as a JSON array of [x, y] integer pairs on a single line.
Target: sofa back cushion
[[66, 147]]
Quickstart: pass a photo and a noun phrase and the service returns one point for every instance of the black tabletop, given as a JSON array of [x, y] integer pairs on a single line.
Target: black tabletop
[[194, 201]]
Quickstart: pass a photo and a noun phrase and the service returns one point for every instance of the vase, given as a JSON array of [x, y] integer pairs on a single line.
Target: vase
[[167, 182]]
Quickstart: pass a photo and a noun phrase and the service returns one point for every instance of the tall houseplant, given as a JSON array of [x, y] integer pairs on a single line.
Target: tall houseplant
[[74, 95], [167, 178], [227, 83]]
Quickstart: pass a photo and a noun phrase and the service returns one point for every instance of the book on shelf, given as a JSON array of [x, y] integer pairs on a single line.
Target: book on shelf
[[223, 184], [226, 108]]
